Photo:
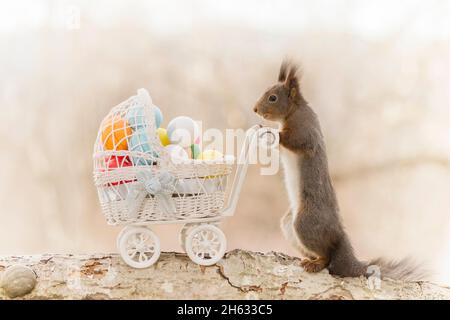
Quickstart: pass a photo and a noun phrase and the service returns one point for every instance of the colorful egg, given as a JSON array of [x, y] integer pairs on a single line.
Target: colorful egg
[[136, 117], [195, 150], [158, 116], [176, 153], [163, 137], [116, 162], [210, 155], [139, 142], [115, 133], [183, 131]]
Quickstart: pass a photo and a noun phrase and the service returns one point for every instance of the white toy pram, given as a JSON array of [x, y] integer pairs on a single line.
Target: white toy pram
[[137, 189]]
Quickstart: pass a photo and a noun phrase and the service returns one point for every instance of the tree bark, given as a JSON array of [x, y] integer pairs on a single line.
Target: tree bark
[[240, 275]]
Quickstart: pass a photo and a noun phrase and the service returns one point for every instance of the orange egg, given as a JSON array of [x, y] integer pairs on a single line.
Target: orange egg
[[114, 134]]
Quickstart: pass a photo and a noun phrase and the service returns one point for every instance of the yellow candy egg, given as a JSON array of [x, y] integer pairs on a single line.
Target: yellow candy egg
[[210, 155], [163, 137]]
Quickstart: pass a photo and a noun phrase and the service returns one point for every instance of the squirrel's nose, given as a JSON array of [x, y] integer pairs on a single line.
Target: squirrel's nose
[[255, 109]]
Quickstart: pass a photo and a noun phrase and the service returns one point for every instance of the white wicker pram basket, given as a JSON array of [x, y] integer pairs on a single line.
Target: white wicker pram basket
[[199, 186], [139, 184]]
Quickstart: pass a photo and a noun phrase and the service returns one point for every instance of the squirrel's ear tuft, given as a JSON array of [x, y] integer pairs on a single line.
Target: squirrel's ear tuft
[[283, 71], [292, 81]]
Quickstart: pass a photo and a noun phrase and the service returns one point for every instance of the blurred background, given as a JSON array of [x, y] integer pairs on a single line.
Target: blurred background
[[376, 72]]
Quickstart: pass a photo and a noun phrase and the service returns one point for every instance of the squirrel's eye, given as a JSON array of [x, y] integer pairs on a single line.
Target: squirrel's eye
[[273, 98]]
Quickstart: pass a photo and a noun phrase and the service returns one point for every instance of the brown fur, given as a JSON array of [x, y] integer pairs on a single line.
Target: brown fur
[[317, 224]]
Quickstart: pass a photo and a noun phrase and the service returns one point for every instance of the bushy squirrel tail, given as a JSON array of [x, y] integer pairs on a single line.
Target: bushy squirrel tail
[[405, 269], [344, 263]]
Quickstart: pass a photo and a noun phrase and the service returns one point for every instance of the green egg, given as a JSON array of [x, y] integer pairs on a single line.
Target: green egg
[[195, 150]]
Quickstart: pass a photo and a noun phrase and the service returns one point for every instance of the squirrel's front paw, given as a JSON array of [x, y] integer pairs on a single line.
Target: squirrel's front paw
[[313, 265]]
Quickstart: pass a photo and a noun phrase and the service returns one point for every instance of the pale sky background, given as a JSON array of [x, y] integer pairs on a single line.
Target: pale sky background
[[417, 18]]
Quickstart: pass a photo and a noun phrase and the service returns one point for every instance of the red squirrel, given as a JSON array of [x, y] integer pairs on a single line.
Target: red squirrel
[[312, 223]]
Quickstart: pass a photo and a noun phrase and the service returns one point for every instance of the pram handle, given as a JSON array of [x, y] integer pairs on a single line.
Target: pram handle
[[256, 134]]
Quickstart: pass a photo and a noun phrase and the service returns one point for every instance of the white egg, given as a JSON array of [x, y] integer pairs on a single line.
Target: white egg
[[176, 153]]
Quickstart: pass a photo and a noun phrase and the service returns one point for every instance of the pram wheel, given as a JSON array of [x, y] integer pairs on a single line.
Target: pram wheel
[[205, 244], [183, 235], [139, 247], [119, 236]]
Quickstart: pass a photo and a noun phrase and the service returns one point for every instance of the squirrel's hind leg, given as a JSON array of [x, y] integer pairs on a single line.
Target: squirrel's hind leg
[[287, 228], [314, 265], [311, 263]]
